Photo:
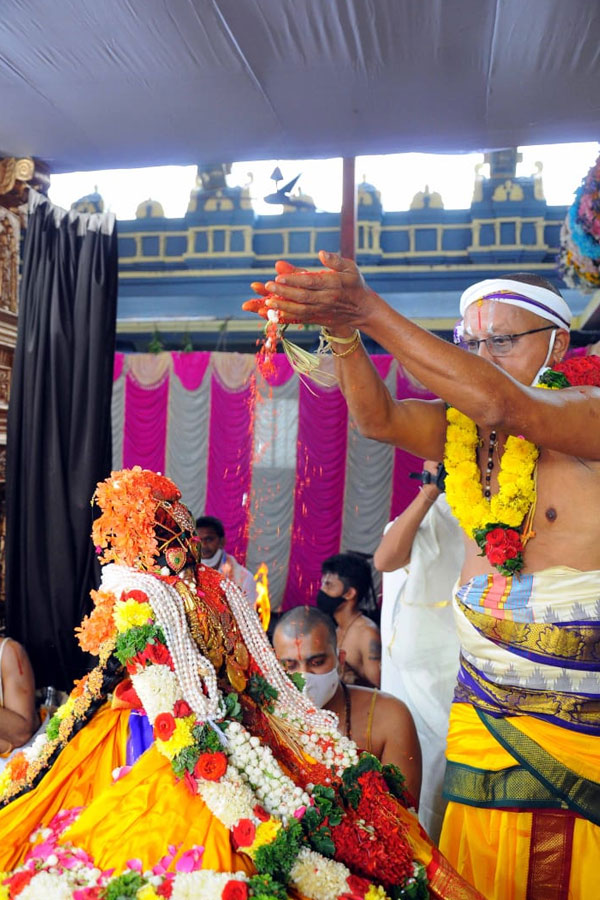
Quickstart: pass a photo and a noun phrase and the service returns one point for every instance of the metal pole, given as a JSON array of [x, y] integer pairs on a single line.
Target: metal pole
[[348, 216]]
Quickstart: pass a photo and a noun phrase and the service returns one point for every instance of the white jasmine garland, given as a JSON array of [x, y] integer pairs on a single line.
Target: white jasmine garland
[[49, 886], [319, 878], [158, 689], [328, 747], [32, 752], [204, 883], [229, 799], [278, 793]]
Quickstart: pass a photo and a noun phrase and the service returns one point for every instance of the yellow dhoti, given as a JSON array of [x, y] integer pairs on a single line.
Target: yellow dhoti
[[524, 739]]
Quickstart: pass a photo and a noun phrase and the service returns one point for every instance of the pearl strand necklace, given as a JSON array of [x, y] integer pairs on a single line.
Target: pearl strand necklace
[[193, 671], [290, 702]]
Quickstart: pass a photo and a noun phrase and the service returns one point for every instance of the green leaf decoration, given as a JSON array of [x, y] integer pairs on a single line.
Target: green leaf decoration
[[185, 760], [125, 887], [263, 694], [233, 709], [133, 641], [298, 679], [277, 858]]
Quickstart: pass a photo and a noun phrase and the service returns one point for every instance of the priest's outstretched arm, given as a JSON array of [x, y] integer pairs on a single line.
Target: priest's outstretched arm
[[496, 397]]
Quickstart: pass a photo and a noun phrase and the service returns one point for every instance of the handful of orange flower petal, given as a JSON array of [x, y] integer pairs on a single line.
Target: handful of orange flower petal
[[302, 361]]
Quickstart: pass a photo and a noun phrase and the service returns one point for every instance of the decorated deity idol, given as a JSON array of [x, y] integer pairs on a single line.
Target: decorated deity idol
[[187, 764]]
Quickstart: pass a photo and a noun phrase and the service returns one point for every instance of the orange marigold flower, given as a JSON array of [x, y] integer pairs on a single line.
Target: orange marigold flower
[[18, 766], [124, 533], [95, 629], [79, 687]]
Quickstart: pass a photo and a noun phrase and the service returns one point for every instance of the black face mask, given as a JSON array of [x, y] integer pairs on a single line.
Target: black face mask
[[327, 604]]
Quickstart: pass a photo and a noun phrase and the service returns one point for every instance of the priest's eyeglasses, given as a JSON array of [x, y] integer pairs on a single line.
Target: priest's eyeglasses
[[498, 344]]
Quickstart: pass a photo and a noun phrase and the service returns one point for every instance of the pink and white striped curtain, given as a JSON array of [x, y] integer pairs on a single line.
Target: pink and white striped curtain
[[279, 461]]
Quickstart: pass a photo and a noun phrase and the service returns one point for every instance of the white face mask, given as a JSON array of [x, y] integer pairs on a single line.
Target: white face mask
[[543, 368], [213, 561], [321, 687]]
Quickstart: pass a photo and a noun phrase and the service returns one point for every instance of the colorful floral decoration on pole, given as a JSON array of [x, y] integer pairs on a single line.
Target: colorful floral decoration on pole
[[579, 255]]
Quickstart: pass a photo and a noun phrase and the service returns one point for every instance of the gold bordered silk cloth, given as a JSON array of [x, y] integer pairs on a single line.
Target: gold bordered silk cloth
[[530, 645]]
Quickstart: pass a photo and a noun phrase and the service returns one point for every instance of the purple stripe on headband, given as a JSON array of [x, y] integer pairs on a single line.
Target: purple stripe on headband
[[506, 295]]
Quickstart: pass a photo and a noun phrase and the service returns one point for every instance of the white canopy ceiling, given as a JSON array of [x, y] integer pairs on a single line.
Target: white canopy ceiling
[[89, 84]]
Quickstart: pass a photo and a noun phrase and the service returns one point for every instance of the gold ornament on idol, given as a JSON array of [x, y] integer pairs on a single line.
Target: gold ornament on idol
[[485, 520]]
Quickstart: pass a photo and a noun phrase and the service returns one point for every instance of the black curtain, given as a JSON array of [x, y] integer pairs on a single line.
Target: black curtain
[[59, 431]]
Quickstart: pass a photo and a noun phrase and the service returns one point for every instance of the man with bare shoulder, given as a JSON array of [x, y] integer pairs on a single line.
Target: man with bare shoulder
[[346, 593], [304, 641], [18, 715], [523, 480]]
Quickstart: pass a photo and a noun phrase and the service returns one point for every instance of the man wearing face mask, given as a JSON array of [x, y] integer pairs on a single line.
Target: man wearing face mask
[[304, 641], [211, 537], [346, 594]]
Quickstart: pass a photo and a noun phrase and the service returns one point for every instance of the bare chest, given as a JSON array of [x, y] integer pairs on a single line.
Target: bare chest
[[564, 521]]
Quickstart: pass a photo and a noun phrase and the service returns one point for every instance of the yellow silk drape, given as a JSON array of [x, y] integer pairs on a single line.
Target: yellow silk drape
[[83, 769], [490, 847], [144, 812]]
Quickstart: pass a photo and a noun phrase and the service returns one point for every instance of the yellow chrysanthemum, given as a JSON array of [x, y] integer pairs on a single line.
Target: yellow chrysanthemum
[[147, 893], [4, 892], [66, 709], [181, 738], [129, 613], [376, 892], [5, 780], [265, 834]]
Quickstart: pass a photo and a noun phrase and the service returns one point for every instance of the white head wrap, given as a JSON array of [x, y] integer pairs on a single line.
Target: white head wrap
[[539, 300]]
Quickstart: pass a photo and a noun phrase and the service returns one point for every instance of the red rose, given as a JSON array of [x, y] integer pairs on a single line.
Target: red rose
[[235, 890], [164, 726], [502, 544], [89, 893], [158, 654], [140, 596], [261, 813], [496, 556], [580, 370], [166, 888], [134, 664], [495, 538], [181, 709], [243, 833], [211, 766], [357, 888], [19, 881]]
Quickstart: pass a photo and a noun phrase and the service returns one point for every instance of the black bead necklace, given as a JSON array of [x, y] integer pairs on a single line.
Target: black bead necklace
[[487, 491]]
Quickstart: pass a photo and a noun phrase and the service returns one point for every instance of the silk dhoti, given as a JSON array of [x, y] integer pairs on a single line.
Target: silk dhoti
[[524, 738]]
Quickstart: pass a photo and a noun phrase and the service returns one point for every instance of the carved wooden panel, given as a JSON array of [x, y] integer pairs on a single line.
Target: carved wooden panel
[[9, 260]]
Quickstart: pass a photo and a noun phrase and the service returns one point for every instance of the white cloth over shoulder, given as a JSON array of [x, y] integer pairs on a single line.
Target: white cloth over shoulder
[[420, 646]]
